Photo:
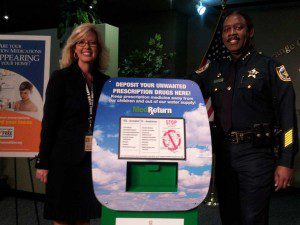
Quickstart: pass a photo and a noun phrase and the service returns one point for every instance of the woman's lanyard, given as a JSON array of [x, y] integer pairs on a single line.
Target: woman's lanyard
[[89, 136], [90, 97]]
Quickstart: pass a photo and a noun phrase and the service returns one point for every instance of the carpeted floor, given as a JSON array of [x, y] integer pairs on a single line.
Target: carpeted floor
[[284, 210]]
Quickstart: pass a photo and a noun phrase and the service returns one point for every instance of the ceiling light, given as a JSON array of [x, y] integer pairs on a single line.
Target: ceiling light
[[6, 17], [200, 8], [90, 6]]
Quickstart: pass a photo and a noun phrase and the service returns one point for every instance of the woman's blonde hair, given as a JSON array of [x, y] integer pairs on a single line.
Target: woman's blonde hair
[[78, 34]]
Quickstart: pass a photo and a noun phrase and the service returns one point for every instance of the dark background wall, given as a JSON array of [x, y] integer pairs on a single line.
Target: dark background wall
[[136, 29], [278, 35]]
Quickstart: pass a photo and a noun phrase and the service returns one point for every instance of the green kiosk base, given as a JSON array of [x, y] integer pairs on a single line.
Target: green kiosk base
[[151, 177]]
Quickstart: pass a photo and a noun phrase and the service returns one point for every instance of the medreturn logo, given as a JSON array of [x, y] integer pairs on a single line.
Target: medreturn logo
[[151, 110]]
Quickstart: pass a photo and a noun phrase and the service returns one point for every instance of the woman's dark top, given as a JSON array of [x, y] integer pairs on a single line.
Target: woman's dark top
[[69, 190]]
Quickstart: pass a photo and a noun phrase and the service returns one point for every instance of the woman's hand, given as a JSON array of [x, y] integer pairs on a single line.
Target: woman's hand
[[42, 175]]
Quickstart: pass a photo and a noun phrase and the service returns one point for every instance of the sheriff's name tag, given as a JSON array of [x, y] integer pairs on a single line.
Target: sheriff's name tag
[[88, 143]]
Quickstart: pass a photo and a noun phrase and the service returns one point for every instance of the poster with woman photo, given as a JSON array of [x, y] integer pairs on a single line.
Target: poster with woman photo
[[24, 73]]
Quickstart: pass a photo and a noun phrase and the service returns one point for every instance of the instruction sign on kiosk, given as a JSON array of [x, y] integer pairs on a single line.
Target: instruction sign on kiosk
[[151, 157]]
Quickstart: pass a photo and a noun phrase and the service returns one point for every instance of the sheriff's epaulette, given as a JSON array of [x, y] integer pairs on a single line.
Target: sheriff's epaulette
[[202, 69]]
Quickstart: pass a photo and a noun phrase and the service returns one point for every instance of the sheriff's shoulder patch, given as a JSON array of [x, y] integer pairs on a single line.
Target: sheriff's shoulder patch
[[282, 73], [203, 68]]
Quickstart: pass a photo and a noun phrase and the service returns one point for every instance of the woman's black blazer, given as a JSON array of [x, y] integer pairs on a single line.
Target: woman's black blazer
[[66, 113]]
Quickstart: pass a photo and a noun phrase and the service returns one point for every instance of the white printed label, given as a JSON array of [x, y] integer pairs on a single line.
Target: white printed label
[[148, 221]]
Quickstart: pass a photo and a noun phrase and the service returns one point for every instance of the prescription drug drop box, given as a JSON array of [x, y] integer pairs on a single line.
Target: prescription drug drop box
[[151, 154]]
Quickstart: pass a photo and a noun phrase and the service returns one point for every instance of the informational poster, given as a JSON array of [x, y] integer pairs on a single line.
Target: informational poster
[[152, 138], [24, 73], [151, 121]]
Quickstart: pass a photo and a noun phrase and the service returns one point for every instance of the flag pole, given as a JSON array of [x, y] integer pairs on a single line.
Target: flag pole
[[211, 198]]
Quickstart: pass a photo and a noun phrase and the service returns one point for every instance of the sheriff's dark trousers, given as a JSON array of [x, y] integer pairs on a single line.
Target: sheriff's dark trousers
[[245, 181]]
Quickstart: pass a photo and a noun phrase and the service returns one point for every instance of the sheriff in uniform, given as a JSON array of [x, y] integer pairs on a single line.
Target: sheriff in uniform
[[252, 95]]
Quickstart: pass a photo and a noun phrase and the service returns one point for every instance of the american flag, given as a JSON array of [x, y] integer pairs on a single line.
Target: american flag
[[216, 51]]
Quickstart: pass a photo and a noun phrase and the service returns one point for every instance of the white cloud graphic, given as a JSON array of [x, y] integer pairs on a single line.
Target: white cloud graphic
[[197, 127], [104, 99], [199, 191], [107, 161], [108, 170], [144, 202], [190, 180], [115, 186], [104, 178], [98, 134], [182, 193], [198, 157], [113, 135]]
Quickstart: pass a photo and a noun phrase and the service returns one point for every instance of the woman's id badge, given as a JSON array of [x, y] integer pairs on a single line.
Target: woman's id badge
[[88, 143]]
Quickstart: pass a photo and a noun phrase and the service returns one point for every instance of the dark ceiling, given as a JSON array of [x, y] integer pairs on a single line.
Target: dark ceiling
[[42, 14]]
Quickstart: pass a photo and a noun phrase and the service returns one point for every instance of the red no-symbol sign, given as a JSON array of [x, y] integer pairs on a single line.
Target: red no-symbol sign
[[171, 140]]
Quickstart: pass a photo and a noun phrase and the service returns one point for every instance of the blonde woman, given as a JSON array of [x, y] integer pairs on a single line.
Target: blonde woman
[[64, 163]]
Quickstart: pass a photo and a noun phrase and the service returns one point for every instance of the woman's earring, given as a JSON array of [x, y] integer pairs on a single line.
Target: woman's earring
[[75, 55]]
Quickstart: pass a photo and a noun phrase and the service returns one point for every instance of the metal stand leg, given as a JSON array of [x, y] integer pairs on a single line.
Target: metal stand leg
[[32, 188], [16, 197]]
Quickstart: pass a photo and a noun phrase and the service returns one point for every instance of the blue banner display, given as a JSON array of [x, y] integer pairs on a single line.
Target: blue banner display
[[24, 57], [151, 120]]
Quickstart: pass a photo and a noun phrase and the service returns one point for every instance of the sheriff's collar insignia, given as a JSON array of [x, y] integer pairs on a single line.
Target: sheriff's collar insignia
[[246, 56], [283, 74], [202, 69], [253, 73], [219, 75]]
